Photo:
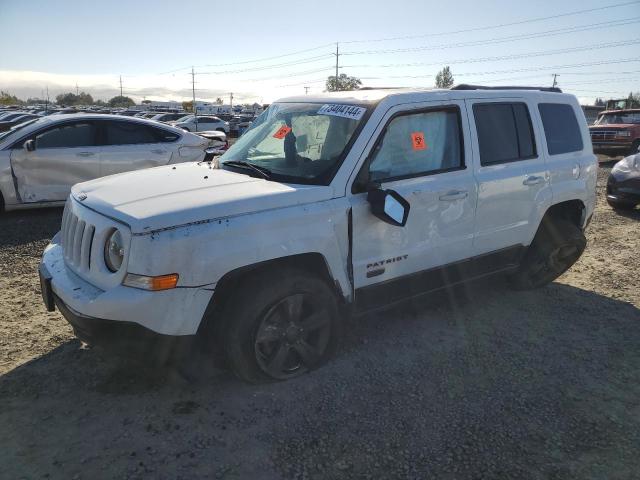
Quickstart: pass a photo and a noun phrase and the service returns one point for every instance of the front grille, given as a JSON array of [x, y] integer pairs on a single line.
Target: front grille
[[76, 239], [603, 134]]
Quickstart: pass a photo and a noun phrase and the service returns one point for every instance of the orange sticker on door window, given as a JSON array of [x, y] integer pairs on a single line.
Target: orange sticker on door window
[[282, 132], [417, 141]]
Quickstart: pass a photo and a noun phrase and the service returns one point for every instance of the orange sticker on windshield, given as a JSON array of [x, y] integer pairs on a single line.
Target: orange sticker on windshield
[[282, 132], [417, 141]]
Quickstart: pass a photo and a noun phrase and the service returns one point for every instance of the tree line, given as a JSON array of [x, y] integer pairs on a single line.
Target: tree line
[[68, 100]]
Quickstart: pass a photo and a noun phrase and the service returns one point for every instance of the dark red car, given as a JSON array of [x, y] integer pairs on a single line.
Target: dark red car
[[616, 132]]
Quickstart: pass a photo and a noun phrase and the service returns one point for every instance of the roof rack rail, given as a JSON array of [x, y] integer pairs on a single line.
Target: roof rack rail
[[464, 86]]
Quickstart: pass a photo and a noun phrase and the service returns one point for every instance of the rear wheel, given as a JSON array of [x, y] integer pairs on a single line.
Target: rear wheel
[[635, 148], [280, 327], [555, 248]]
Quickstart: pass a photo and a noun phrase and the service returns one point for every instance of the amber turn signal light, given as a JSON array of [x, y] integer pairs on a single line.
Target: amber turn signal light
[[161, 282]]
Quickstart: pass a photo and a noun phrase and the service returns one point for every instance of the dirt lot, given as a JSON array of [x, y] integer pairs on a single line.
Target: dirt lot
[[488, 384]]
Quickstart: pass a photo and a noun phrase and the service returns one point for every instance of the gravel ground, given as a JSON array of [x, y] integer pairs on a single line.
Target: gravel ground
[[488, 383]]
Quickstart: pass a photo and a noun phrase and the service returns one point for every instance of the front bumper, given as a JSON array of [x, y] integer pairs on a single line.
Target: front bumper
[[624, 191], [123, 336], [95, 314], [611, 148]]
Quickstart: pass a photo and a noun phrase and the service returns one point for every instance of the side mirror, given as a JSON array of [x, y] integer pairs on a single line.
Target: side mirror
[[29, 145], [389, 206]]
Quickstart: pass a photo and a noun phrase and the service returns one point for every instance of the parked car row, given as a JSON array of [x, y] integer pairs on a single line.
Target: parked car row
[[41, 159]]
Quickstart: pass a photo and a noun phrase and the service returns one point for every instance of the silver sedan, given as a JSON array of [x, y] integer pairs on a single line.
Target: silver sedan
[[40, 160]]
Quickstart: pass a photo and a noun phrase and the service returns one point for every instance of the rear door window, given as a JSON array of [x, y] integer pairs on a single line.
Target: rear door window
[[560, 128], [69, 135], [131, 133], [504, 131]]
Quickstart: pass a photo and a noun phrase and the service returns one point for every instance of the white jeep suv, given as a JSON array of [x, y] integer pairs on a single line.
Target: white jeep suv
[[327, 204]]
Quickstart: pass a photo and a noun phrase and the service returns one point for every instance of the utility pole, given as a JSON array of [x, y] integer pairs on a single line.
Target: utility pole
[[120, 85], [77, 90], [306, 90], [555, 75], [193, 100], [46, 105], [337, 54], [231, 99]]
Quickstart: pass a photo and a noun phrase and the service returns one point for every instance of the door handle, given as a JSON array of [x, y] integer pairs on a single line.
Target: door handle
[[533, 180], [85, 154], [158, 152], [454, 195]]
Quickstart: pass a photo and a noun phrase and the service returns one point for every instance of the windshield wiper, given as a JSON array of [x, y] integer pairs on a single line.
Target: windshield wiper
[[262, 171]]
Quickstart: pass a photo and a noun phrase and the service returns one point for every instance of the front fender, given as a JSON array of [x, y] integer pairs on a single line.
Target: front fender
[[203, 252]]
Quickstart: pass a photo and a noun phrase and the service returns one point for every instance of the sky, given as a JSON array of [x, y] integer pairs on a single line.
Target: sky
[[262, 51]]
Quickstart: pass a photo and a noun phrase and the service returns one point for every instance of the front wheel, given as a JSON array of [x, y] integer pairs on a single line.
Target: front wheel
[[555, 248], [281, 327], [617, 205]]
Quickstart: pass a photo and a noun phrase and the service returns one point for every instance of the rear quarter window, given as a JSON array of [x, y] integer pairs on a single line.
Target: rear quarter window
[[561, 128]]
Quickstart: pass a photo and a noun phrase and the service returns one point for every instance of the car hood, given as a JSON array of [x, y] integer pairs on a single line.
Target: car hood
[[174, 195]]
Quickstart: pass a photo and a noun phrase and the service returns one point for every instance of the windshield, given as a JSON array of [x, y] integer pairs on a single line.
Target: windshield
[[299, 142], [619, 117], [186, 118]]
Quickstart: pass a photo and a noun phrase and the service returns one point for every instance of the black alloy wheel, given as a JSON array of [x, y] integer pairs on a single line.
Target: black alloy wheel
[[292, 336]]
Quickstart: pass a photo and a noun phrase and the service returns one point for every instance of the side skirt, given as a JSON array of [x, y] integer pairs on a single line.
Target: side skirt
[[391, 292]]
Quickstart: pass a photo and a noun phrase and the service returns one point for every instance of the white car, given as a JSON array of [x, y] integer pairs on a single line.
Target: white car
[[40, 160], [191, 123], [327, 204]]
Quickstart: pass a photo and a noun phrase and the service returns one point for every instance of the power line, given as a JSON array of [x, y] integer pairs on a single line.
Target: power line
[[300, 74], [504, 57], [319, 47], [433, 47], [602, 80], [500, 25], [269, 67], [264, 59], [511, 38], [518, 70]]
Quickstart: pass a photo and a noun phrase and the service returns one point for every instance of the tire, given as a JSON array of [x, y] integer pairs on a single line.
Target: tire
[[621, 205], [635, 148], [280, 326], [555, 248]]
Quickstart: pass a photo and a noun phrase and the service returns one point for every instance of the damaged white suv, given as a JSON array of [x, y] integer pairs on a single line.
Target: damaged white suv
[[334, 203]]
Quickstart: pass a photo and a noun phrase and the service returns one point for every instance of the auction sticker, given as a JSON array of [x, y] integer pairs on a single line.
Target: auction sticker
[[417, 141], [282, 132], [345, 111]]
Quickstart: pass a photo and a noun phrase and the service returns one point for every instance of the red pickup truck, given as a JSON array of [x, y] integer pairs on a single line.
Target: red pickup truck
[[616, 132]]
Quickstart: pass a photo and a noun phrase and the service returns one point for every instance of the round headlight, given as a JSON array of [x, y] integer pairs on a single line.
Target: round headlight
[[114, 251]]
